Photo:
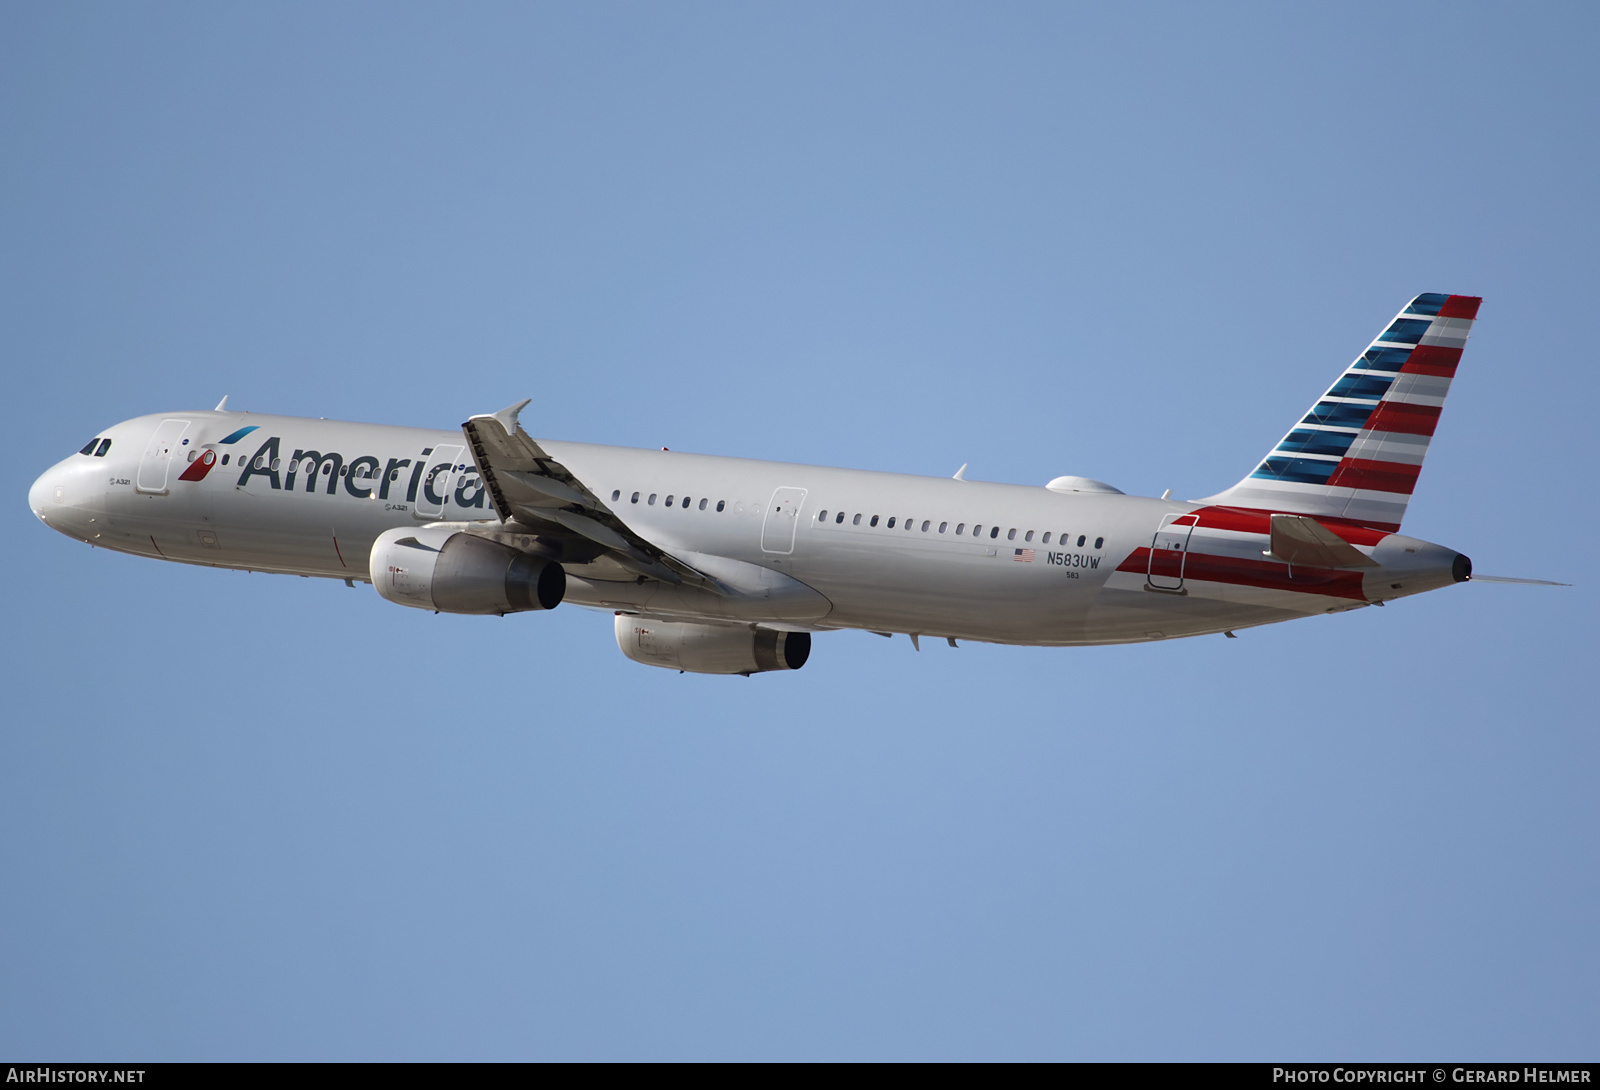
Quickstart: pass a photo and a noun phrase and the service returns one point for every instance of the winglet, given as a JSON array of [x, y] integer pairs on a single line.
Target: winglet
[[960, 473], [222, 406], [508, 415]]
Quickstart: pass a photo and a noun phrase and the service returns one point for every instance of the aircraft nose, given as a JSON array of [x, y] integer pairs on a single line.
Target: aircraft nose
[[47, 492], [63, 496]]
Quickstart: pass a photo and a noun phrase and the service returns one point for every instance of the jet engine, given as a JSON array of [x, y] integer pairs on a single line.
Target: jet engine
[[710, 648], [448, 571]]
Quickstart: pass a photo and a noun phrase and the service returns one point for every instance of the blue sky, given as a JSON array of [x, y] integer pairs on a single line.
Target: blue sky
[[253, 817]]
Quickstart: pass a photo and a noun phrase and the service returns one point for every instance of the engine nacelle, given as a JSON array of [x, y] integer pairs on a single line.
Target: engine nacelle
[[710, 648], [448, 571]]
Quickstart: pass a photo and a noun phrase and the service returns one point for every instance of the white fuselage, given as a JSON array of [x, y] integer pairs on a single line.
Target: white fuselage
[[885, 552]]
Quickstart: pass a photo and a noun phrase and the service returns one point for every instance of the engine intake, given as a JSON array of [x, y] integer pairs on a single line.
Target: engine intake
[[448, 571], [709, 648]]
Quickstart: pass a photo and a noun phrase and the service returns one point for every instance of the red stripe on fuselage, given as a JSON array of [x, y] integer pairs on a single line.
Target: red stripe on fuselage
[[1208, 568], [1247, 520]]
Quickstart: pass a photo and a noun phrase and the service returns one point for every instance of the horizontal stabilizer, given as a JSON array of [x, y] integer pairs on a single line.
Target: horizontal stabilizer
[[1297, 539]]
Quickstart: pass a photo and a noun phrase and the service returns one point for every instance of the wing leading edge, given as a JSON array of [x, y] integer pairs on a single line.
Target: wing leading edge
[[528, 486]]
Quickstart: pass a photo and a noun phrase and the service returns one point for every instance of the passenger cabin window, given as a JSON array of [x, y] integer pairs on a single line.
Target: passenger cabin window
[[961, 528], [890, 523], [856, 521], [1099, 541], [1011, 535], [635, 498], [702, 504], [1028, 536], [924, 525], [651, 500], [1081, 539], [686, 501], [669, 499], [616, 494], [838, 518], [942, 525], [994, 531], [1046, 538], [721, 504], [874, 521]]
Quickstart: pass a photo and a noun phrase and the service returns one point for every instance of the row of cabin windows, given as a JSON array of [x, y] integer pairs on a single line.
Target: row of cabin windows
[[1063, 539], [672, 500], [96, 447]]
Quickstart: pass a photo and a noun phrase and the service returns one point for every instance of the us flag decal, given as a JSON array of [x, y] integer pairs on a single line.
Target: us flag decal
[[1023, 556]]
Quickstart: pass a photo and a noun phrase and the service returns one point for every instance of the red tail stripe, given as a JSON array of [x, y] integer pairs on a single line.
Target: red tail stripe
[[1461, 306], [1431, 359], [1375, 476], [1398, 416]]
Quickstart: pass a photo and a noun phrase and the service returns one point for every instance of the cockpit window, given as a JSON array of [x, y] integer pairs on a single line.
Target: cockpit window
[[105, 445], [88, 448]]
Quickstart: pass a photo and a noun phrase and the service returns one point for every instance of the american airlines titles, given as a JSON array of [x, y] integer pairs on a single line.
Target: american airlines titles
[[361, 475]]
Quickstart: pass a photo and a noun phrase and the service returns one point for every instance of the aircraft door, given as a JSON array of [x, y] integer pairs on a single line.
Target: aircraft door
[[437, 482], [157, 458], [1169, 550], [783, 516]]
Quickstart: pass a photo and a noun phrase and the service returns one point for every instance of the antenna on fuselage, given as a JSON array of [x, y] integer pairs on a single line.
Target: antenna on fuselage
[[222, 406]]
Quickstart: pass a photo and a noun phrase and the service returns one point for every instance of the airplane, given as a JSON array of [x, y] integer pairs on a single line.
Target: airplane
[[723, 565]]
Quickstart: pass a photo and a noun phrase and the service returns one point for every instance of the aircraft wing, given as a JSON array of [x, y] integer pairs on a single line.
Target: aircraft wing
[[528, 486]]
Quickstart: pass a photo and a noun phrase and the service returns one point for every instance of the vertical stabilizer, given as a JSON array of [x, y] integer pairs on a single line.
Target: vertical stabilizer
[[1356, 455]]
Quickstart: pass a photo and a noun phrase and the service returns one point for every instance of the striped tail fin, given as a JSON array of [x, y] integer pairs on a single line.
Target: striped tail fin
[[1356, 455]]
